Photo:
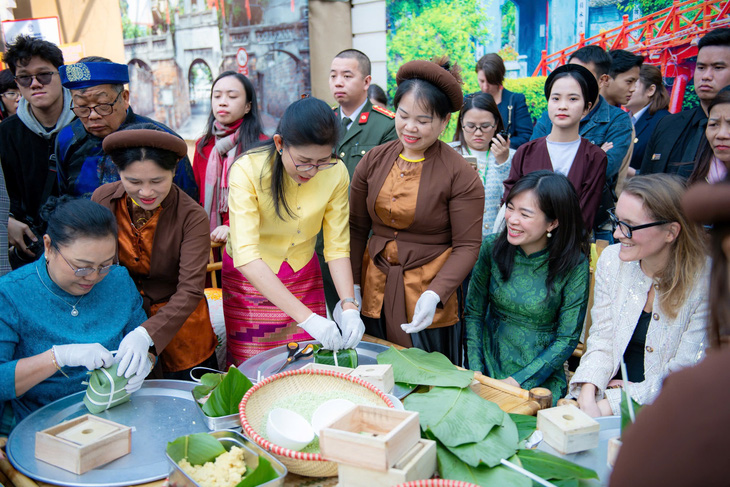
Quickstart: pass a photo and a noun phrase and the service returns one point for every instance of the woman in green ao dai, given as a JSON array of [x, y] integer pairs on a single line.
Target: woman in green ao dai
[[529, 290]]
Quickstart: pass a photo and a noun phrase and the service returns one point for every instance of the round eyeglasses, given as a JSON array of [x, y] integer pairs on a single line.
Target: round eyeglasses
[[309, 167], [628, 230], [470, 128], [102, 109], [43, 78], [11, 95], [85, 271]]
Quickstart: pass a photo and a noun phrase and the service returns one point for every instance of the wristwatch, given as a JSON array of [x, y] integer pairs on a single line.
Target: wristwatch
[[351, 300]]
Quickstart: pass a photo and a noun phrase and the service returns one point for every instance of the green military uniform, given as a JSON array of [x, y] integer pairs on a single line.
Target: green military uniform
[[373, 127]]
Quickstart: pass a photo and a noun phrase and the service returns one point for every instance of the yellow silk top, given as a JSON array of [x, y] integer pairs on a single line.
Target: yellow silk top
[[258, 233]]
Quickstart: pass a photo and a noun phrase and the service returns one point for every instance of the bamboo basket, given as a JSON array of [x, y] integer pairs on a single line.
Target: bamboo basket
[[437, 483], [261, 397]]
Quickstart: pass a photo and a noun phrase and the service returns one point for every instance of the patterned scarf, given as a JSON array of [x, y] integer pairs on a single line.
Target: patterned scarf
[[216, 172]]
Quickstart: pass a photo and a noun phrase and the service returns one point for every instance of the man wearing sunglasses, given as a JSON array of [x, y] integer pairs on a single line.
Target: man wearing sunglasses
[[27, 140], [101, 104]]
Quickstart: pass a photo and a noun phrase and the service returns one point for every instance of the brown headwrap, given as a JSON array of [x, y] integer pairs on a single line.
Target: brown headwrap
[[125, 139], [437, 76]]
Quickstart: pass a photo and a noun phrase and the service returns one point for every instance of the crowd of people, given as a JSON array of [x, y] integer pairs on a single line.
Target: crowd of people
[[359, 220]]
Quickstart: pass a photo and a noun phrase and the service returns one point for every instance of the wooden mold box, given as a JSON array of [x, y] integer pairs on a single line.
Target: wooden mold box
[[83, 443], [418, 464], [379, 375], [568, 429], [370, 437]]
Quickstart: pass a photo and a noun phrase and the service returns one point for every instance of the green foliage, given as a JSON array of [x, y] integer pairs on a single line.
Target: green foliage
[[625, 413], [508, 53], [130, 30], [509, 29], [526, 425], [690, 97], [553, 468], [534, 91], [647, 6], [415, 366], [198, 448], [226, 392], [345, 358]]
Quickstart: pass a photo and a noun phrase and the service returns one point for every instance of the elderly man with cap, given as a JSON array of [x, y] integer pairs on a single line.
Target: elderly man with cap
[[101, 104]]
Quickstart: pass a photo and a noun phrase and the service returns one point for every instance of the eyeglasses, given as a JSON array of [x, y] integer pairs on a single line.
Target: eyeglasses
[[102, 109], [628, 230], [43, 78], [85, 271], [470, 128], [309, 167], [12, 95]]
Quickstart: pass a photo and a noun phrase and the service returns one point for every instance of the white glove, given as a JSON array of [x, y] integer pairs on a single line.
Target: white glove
[[424, 312], [132, 353], [89, 355], [135, 382], [324, 331], [352, 328]]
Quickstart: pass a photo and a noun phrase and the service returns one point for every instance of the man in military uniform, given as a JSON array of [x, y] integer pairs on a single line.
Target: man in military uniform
[[364, 126]]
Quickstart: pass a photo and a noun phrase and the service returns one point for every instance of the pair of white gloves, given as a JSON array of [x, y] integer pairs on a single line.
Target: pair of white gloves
[[326, 331], [132, 358]]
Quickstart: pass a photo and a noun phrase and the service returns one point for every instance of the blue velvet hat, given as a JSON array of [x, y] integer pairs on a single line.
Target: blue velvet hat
[[86, 75]]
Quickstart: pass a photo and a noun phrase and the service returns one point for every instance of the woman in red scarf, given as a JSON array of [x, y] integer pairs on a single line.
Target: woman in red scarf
[[233, 128]]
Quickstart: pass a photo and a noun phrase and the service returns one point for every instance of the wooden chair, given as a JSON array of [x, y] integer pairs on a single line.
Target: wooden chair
[[213, 265]]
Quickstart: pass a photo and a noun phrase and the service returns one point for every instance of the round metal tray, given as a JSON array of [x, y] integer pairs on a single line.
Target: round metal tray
[[159, 412], [597, 458], [268, 362]]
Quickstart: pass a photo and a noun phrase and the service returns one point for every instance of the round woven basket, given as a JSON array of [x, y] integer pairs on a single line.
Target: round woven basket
[[437, 483], [259, 400]]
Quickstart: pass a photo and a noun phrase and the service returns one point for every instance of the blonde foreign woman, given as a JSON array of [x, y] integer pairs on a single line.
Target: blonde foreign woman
[[650, 304], [423, 204]]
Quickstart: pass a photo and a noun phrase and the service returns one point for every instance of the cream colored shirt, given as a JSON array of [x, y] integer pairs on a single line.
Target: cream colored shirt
[[258, 233]]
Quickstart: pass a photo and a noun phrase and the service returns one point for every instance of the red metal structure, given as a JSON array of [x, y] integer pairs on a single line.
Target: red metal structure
[[667, 38]]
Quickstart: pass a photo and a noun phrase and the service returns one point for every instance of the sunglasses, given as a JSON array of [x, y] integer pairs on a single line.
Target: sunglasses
[[85, 271], [626, 229], [43, 78]]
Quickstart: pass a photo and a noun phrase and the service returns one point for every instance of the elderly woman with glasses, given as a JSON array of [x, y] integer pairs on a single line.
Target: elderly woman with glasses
[[164, 243], [64, 313], [480, 134], [281, 196], [650, 305]]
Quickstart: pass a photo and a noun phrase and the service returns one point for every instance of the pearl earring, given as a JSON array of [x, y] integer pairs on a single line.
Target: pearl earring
[[549, 235]]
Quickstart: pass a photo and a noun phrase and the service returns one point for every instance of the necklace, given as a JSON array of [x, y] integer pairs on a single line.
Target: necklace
[[411, 160], [74, 311]]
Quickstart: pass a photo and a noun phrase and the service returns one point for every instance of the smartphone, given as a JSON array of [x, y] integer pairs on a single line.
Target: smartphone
[[504, 134]]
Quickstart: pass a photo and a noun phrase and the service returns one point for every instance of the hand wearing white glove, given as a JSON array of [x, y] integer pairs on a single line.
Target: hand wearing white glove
[[89, 355], [132, 353], [352, 328], [323, 330], [424, 313], [135, 382]]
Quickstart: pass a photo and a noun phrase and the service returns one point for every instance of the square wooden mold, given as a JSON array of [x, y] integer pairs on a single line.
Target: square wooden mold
[[370, 437], [418, 464], [568, 429], [379, 375], [83, 443]]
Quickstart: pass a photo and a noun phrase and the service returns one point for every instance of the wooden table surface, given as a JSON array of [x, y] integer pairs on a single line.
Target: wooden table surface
[[511, 399]]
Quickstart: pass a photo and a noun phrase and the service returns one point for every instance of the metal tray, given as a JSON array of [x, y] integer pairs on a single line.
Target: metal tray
[[251, 454], [596, 458], [230, 421], [267, 363], [159, 412]]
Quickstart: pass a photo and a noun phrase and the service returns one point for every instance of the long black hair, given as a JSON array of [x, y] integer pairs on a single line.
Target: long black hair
[[479, 101], [704, 160], [309, 121], [250, 130], [72, 218], [558, 200]]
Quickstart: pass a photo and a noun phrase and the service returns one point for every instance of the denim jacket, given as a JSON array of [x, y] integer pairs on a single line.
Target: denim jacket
[[605, 123]]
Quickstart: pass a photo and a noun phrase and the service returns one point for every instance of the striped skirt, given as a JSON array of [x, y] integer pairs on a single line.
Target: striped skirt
[[253, 323]]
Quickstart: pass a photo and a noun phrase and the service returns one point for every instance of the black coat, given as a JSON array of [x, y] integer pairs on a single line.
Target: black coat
[[644, 128], [520, 128], [670, 140]]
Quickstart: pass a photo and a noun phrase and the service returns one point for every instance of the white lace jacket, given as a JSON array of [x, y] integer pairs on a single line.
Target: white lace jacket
[[671, 344]]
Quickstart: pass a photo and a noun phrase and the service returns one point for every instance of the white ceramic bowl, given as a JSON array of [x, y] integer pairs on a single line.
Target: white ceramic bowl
[[288, 429], [328, 411]]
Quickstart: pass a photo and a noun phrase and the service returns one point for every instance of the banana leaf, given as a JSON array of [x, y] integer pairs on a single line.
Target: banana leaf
[[526, 425], [263, 473], [226, 392], [455, 416], [345, 358], [551, 467], [198, 448], [415, 366], [625, 416], [501, 442], [105, 390], [451, 467]]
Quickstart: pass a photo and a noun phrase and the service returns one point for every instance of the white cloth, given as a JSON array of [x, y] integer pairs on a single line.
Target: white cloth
[[562, 155], [671, 344]]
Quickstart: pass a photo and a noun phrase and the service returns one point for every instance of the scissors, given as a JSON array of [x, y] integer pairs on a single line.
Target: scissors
[[295, 354]]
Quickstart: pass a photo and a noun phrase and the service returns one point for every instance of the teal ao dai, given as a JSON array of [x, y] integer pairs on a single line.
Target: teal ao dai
[[514, 329]]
